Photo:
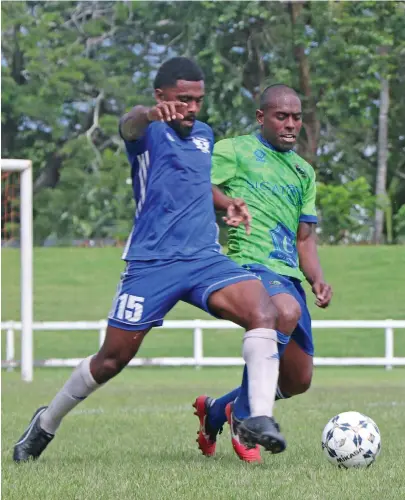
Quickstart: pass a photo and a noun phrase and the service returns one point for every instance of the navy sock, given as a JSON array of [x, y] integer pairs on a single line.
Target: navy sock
[[216, 413], [282, 395], [241, 406]]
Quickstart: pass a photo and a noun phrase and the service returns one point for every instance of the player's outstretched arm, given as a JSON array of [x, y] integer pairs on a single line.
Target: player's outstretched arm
[[237, 211], [134, 123], [310, 265]]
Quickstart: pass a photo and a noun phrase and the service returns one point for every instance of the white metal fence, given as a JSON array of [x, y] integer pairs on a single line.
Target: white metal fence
[[198, 359]]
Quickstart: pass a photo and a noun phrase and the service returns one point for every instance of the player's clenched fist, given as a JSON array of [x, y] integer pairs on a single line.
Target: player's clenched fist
[[323, 293], [167, 111]]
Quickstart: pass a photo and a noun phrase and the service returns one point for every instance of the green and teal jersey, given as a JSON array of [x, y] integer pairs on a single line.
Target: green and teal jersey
[[280, 191]]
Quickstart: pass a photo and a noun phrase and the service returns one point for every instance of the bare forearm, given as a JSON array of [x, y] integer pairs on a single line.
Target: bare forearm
[[134, 123], [309, 260], [221, 201], [236, 209], [310, 265], [308, 253]]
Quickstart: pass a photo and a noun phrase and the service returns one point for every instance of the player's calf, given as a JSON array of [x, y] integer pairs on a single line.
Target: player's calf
[[119, 347], [294, 388], [289, 387], [296, 367]]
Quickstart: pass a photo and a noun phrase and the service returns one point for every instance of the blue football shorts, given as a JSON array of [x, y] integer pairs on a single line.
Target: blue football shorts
[[148, 290], [276, 284]]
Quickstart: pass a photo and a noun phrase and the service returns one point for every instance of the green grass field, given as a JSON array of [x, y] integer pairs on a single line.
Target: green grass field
[[134, 438]]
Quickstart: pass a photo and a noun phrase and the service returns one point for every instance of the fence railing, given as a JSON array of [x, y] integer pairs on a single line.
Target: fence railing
[[198, 359]]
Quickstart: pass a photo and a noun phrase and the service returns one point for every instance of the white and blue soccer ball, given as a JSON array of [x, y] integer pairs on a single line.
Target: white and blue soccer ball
[[351, 439]]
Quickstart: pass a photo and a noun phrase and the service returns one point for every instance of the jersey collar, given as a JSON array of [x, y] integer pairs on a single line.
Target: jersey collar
[[270, 146]]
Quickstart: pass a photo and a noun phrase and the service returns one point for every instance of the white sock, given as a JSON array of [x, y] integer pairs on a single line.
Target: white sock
[[80, 385], [260, 353]]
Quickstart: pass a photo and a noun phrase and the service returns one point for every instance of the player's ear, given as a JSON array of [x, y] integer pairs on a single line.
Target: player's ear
[[259, 116], [159, 95]]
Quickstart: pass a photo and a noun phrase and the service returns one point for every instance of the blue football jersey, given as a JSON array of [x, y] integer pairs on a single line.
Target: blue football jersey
[[174, 217]]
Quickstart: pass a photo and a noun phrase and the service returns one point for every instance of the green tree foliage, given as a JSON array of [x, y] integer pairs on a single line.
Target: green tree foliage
[[399, 220], [345, 211], [70, 69]]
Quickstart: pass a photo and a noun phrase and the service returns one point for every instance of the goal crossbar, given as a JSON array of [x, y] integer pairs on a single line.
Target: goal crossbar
[[26, 250]]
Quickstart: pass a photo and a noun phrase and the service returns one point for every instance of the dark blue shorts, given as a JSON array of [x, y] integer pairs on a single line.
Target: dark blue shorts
[[149, 289], [275, 284]]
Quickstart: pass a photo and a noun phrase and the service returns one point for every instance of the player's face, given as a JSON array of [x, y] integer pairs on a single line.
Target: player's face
[[281, 121], [192, 93]]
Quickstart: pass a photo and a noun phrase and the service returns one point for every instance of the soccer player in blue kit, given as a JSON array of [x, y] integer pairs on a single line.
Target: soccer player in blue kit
[[172, 254]]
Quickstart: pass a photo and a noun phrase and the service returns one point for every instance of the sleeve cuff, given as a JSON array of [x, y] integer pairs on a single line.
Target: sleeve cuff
[[312, 219]]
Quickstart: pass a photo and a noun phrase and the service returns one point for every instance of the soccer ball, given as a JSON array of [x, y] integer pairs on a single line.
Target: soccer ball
[[351, 439]]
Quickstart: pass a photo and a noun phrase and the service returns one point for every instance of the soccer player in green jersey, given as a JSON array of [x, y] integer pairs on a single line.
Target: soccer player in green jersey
[[279, 246]]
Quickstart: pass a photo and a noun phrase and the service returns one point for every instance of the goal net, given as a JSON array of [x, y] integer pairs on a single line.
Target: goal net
[[10, 208], [16, 230]]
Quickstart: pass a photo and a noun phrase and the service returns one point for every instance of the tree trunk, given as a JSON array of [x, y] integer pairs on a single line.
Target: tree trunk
[[9, 129], [49, 176], [381, 180], [311, 123]]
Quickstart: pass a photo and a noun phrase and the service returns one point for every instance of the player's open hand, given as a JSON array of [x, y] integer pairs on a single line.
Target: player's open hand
[[323, 293], [238, 213], [167, 111]]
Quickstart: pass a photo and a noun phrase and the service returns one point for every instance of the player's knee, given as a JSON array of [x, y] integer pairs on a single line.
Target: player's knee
[[263, 316], [288, 316]]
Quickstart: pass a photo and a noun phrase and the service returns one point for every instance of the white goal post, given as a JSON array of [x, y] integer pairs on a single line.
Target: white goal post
[[24, 167]]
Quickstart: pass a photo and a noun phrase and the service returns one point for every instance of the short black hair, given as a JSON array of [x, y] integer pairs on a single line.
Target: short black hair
[[272, 89], [177, 68]]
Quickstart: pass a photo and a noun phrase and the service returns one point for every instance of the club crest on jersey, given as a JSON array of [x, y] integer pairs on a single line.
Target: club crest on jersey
[[259, 155], [301, 171], [202, 144], [275, 283]]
